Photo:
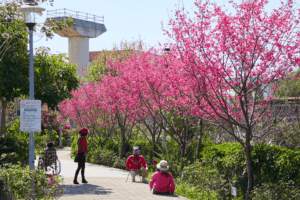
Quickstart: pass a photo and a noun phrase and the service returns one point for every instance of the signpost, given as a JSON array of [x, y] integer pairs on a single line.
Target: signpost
[[30, 120]]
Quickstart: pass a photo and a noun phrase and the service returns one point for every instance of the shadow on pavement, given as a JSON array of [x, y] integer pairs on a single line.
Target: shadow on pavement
[[84, 189], [167, 195]]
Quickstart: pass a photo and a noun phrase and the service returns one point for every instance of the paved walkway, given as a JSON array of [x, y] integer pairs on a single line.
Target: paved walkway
[[103, 183]]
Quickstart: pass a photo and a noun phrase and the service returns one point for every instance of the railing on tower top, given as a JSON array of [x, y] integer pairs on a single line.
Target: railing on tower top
[[74, 14]]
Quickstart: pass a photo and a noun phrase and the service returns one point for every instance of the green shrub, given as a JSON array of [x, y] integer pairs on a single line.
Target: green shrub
[[17, 181], [120, 163], [281, 190], [271, 164], [228, 158], [74, 147], [206, 180], [20, 143], [11, 151], [113, 145], [20, 151], [189, 190]]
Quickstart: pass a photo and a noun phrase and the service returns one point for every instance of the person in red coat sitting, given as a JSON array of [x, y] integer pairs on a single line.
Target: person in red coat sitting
[[82, 151], [137, 165], [162, 181]]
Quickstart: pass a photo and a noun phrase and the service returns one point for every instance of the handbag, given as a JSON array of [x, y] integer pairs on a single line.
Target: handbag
[[76, 158]]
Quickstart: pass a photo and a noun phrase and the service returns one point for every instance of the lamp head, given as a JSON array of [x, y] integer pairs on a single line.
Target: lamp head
[[167, 49], [30, 9], [28, 1]]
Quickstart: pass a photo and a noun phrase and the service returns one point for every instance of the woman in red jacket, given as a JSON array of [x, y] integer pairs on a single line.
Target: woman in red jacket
[[82, 151], [162, 181]]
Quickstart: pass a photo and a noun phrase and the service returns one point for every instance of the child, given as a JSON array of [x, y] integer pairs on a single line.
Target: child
[[162, 181]]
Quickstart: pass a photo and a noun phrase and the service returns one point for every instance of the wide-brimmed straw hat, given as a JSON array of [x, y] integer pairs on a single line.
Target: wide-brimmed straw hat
[[162, 165]]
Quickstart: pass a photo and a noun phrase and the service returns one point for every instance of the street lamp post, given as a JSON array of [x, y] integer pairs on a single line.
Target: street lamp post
[[30, 9], [165, 124], [60, 146], [71, 125], [16, 108]]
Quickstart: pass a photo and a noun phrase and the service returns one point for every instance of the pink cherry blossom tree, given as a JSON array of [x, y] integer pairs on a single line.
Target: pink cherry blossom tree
[[230, 60], [87, 109], [143, 82]]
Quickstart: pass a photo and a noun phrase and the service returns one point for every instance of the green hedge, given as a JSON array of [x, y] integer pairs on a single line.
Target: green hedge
[[271, 164], [109, 154]]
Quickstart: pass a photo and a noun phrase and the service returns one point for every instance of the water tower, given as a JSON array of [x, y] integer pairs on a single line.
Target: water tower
[[86, 26]]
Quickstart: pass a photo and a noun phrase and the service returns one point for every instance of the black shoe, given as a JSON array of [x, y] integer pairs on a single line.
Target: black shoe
[[84, 181], [75, 182]]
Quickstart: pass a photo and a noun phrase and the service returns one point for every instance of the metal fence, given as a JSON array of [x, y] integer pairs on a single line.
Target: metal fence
[[74, 14]]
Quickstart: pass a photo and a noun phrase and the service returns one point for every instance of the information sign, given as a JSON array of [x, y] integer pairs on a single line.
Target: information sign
[[30, 119]]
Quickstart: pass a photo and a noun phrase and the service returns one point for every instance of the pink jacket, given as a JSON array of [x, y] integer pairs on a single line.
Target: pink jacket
[[161, 183]]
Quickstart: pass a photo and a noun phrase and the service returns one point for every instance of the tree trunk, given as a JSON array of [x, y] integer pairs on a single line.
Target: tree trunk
[[153, 146], [249, 166], [200, 140], [182, 150], [4, 105], [123, 143]]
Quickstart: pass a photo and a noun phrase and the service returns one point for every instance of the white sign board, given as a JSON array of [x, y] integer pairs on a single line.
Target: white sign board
[[31, 111]]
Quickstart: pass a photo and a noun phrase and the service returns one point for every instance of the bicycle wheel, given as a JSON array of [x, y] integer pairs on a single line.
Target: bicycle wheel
[[58, 164], [41, 164]]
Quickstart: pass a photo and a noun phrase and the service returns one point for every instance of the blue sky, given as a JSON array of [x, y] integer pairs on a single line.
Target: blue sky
[[124, 20]]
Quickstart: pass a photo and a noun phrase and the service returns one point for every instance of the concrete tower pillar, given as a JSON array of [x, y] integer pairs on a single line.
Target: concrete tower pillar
[[85, 26], [78, 52]]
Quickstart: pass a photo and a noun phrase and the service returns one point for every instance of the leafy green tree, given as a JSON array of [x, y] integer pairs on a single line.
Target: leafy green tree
[[13, 72], [99, 65], [54, 80], [14, 64], [12, 25], [290, 86]]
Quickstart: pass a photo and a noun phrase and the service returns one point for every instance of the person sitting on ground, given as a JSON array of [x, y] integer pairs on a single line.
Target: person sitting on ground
[[50, 155], [134, 164], [162, 181]]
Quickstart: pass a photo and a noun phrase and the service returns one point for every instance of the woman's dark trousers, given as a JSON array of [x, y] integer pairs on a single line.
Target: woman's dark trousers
[[81, 166], [157, 192]]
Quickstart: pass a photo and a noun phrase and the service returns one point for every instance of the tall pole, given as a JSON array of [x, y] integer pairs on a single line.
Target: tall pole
[[29, 11], [165, 124], [59, 129], [71, 125], [31, 94], [165, 134], [60, 135], [16, 108]]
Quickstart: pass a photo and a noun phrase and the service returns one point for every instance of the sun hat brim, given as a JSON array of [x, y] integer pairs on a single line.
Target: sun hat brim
[[162, 168]]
